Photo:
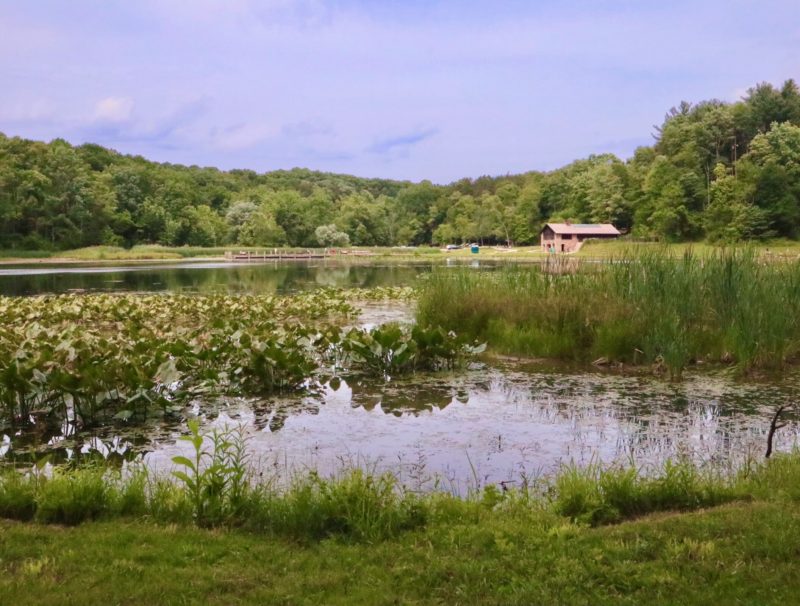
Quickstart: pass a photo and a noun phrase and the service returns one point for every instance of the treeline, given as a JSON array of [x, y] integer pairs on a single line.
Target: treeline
[[721, 171]]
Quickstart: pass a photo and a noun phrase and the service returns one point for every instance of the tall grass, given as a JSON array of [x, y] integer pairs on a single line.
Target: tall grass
[[218, 486], [12, 253], [598, 495], [117, 253], [649, 307], [358, 505]]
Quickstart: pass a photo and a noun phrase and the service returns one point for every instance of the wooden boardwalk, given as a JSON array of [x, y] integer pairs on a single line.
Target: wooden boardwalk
[[279, 255]]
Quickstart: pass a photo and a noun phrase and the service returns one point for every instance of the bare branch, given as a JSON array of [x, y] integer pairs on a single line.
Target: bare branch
[[773, 427]]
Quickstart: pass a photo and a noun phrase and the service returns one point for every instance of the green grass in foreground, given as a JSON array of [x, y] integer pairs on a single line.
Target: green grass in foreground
[[362, 539], [217, 488], [744, 553]]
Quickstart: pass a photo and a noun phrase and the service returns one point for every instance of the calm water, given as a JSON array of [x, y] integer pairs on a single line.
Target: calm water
[[500, 423], [268, 278], [506, 422]]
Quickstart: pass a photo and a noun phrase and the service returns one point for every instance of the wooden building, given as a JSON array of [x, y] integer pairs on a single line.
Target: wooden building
[[568, 237]]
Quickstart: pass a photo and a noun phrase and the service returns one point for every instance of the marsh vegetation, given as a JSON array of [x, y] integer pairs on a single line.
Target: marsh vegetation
[[96, 358], [233, 375], [728, 307], [216, 485]]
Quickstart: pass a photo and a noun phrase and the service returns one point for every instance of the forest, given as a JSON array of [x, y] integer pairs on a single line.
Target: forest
[[717, 171]]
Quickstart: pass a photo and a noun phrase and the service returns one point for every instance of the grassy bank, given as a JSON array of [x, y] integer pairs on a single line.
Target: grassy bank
[[219, 532], [154, 252], [737, 554], [216, 484], [494, 550], [652, 308], [593, 249]]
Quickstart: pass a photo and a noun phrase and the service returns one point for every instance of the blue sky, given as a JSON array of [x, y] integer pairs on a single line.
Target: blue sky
[[410, 89]]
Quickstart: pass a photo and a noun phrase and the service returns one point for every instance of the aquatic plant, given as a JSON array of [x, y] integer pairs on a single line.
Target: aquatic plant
[[91, 358], [98, 359], [393, 349], [215, 480], [729, 306], [382, 293]]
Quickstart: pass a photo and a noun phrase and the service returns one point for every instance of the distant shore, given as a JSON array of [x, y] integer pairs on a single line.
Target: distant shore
[[600, 250]]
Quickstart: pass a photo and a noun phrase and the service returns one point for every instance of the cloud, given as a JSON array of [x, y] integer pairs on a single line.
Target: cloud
[[114, 122], [242, 136], [307, 128], [113, 109], [401, 143], [358, 87]]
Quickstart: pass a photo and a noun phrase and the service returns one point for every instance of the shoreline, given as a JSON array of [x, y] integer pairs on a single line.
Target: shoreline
[[592, 251]]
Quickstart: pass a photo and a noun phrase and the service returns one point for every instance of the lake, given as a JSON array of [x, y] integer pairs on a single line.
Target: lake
[[204, 276], [503, 421]]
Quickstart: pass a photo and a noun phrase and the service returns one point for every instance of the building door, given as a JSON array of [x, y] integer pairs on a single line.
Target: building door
[[562, 248]]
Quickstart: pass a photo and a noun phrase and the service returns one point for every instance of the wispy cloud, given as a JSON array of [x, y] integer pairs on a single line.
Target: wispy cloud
[[113, 109], [307, 128], [115, 121], [401, 143]]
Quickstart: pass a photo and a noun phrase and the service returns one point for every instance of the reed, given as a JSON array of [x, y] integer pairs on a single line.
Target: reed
[[650, 307], [600, 495]]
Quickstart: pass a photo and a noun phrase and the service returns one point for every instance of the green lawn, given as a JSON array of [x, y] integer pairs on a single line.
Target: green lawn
[[744, 553]]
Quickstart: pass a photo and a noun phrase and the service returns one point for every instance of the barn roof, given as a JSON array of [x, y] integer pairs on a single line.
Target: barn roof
[[586, 229]]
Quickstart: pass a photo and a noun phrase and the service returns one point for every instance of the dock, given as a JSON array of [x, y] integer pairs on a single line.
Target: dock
[[277, 254]]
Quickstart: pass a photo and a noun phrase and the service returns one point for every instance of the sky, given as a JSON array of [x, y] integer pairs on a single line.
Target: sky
[[413, 89]]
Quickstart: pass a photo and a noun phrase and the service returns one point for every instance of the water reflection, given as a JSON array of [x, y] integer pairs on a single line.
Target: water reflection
[[266, 278], [501, 425], [505, 423], [493, 424]]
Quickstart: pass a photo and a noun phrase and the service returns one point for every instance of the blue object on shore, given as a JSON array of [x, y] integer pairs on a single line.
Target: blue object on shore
[[475, 249]]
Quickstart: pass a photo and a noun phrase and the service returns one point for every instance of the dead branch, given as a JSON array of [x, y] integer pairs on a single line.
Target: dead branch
[[773, 427]]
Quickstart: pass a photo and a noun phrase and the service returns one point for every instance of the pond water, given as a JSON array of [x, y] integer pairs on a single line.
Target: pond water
[[503, 422], [278, 277]]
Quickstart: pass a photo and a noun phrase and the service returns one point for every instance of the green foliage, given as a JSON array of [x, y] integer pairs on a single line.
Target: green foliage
[[217, 486], [329, 236], [643, 308], [356, 505], [17, 495], [597, 495], [98, 359], [55, 196], [72, 498], [215, 481], [392, 349], [131, 356]]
